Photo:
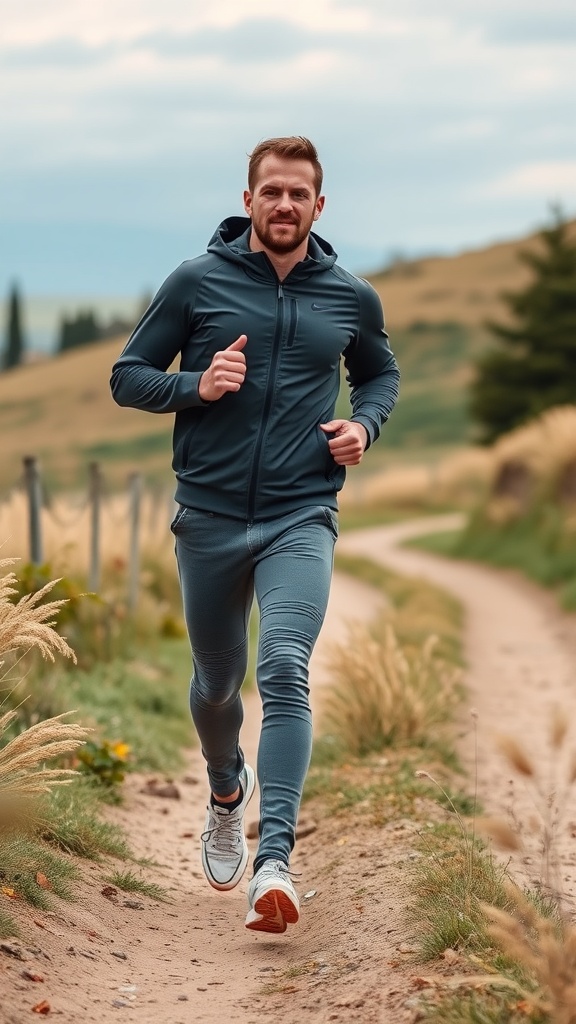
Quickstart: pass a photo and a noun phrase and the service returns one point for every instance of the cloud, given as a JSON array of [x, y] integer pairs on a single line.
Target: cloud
[[139, 116], [545, 179]]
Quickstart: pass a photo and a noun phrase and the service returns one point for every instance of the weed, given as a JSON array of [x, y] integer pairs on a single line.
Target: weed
[[8, 926], [71, 820], [105, 761], [130, 882], [34, 872], [384, 694]]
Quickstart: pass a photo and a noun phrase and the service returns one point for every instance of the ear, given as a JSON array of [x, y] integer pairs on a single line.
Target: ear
[[319, 206], [248, 203]]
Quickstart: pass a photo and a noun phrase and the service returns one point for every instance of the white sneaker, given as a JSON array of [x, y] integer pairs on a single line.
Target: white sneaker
[[272, 899], [224, 849]]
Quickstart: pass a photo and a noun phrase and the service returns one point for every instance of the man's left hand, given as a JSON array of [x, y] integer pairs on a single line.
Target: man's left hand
[[349, 442]]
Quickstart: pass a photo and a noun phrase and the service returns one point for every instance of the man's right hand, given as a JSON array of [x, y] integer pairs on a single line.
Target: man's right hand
[[225, 373]]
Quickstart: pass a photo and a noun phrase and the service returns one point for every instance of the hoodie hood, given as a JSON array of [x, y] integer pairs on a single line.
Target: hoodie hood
[[231, 241]]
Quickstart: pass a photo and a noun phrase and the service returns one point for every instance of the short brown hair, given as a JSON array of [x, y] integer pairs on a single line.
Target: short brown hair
[[291, 147]]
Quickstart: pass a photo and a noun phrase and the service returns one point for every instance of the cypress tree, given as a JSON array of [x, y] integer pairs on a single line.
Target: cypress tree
[[14, 344], [533, 369]]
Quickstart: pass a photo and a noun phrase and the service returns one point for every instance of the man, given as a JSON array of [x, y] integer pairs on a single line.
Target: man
[[260, 323]]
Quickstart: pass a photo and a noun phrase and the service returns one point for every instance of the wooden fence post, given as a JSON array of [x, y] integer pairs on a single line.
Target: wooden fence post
[[95, 496], [33, 485], [135, 486]]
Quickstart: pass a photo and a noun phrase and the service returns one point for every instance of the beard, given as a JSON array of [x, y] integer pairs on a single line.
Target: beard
[[283, 243]]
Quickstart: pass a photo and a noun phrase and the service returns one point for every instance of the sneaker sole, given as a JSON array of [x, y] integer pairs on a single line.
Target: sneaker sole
[[237, 877], [272, 913]]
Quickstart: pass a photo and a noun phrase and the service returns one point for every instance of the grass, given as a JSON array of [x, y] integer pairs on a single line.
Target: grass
[[8, 926], [72, 822], [129, 882], [131, 449], [25, 858]]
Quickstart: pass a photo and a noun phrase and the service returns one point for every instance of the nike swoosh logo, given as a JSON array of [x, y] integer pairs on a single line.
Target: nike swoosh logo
[[319, 309]]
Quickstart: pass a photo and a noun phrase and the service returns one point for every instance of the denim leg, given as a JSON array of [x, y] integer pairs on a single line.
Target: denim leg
[[292, 582], [215, 568]]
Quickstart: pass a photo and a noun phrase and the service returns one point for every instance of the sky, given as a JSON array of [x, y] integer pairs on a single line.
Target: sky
[[126, 126]]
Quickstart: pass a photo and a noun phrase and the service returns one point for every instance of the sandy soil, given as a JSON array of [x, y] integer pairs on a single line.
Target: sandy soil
[[128, 958]]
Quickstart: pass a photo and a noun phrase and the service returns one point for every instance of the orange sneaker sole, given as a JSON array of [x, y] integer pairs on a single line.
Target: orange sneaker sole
[[275, 910]]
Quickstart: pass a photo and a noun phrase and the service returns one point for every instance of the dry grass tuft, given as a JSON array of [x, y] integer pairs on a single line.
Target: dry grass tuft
[[545, 947], [516, 756], [505, 837], [22, 759], [559, 724], [26, 624], [384, 693]]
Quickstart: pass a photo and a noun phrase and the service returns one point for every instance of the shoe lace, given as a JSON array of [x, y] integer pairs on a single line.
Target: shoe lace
[[276, 867], [224, 833]]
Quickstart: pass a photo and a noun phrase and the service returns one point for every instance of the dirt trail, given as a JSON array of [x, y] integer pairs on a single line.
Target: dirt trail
[[192, 960]]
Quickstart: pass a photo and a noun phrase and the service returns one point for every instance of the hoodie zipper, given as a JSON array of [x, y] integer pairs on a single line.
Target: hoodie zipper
[[270, 382]]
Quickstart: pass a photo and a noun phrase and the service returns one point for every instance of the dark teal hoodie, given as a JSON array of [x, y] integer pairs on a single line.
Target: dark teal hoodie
[[259, 452]]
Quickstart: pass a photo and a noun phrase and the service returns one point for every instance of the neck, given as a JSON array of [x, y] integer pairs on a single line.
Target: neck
[[283, 262]]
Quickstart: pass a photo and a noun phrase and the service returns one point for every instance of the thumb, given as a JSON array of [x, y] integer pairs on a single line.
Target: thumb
[[330, 427], [238, 345]]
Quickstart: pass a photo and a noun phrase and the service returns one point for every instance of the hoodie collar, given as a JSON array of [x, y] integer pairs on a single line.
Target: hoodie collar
[[231, 240]]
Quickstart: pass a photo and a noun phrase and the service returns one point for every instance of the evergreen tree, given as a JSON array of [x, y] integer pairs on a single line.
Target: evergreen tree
[[81, 329], [534, 368], [14, 344]]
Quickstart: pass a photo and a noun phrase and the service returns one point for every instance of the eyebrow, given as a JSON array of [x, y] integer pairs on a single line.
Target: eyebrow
[[293, 188]]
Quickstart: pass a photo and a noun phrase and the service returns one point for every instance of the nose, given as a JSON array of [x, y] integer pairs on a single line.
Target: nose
[[284, 204]]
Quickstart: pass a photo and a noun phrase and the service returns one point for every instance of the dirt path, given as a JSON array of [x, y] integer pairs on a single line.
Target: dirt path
[[192, 960]]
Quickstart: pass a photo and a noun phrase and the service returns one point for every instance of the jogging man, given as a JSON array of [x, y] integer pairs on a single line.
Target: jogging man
[[260, 323]]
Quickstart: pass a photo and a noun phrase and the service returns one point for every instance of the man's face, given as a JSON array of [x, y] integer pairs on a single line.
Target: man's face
[[283, 204]]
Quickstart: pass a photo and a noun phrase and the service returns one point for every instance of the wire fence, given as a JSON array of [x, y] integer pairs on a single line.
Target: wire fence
[[88, 527]]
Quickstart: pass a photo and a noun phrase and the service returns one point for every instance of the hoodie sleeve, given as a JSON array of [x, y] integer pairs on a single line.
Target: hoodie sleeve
[[372, 371], [139, 378]]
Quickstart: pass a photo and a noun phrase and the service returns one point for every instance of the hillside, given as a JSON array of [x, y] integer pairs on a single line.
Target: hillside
[[462, 289], [61, 410]]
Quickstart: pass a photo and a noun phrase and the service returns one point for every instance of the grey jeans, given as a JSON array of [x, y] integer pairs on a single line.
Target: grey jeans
[[287, 563]]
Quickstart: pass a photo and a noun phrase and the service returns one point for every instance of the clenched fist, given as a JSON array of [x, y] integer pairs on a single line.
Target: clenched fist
[[348, 443], [225, 373]]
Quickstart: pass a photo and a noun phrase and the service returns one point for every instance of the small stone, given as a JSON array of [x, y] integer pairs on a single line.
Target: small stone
[[450, 956], [168, 790], [30, 976], [182, 999], [134, 905], [120, 1003], [252, 830], [405, 947], [118, 954], [13, 950]]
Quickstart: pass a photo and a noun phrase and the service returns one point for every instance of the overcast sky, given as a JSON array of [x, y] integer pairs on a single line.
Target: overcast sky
[[125, 126]]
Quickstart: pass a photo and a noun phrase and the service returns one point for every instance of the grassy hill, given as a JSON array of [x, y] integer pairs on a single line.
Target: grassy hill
[[463, 289], [61, 409]]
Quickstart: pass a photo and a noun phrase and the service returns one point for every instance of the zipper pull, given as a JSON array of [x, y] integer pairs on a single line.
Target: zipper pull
[[280, 291]]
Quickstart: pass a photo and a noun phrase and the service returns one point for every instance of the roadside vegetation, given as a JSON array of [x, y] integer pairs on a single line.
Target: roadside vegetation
[[526, 517], [501, 952], [126, 683]]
